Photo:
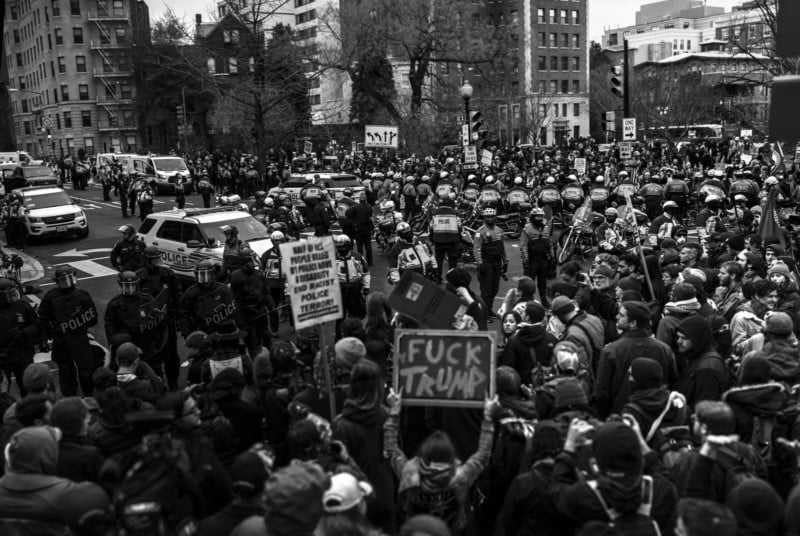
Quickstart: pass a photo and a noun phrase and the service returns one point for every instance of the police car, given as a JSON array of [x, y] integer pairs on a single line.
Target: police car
[[299, 184], [185, 237], [49, 211]]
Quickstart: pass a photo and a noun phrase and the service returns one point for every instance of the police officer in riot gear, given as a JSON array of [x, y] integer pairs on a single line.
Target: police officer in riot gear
[[536, 251], [253, 298], [409, 253], [445, 235], [162, 284], [123, 187], [354, 277], [19, 334], [231, 255], [128, 253], [276, 280], [65, 315], [136, 314], [206, 304], [490, 256]]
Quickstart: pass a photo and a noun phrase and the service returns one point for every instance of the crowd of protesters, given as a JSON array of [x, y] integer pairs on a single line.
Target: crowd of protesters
[[651, 390]]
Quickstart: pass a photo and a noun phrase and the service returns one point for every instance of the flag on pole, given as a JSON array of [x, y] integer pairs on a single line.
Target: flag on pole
[[770, 224], [777, 158]]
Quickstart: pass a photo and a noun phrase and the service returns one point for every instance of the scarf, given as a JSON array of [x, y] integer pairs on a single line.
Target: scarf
[[689, 306]]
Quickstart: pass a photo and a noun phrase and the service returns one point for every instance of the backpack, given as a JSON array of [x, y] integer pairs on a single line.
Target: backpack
[[671, 442], [157, 493], [761, 439], [737, 468], [639, 523], [596, 350]]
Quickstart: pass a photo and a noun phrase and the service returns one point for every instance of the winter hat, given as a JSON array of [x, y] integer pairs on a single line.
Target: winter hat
[[458, 277], [631, 295], [128, 352], [604, 271], [346, 492], [779, 268], [349, 351], [226, 383], [777, 249], [507, 381], [629, 283], [293, 499], [547, 440], [535, 312], [424, 525], [683, 292], [757, 507], [779, 323], [569, 394], [646, 374], [249, 473], [198, 339], [755, 370], [36, 377], [562, 306], [736, 242], [639, 312], [670, 258], [34, 450], [618, 453], [562, 288], [698, 330]]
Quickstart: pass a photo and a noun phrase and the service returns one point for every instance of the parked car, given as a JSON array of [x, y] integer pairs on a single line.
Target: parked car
[[50, 211]]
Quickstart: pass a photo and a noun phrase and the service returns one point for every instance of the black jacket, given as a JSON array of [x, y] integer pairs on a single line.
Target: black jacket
[[361, 216], [78, 459], [517, 353], [227, 519]]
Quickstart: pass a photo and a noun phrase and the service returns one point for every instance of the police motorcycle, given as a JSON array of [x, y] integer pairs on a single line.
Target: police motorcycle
[[385, 224], [228, 199], [421, 219], [580, 239]]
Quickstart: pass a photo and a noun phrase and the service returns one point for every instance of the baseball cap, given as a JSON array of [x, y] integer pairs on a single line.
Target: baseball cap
[[345, 492]]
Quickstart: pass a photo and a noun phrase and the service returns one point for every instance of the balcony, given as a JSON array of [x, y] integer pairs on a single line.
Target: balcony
[[106, 126], [110, 101], [109, 14], [108, 45], [114, 74]]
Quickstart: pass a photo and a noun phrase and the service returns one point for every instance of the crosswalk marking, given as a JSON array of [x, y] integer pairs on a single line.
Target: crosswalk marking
[[94, 269]]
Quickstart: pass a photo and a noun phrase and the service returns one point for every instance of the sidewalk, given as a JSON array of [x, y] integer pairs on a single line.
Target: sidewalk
[[32, 270]]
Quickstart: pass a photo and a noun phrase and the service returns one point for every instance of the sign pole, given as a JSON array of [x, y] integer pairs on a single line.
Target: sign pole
[[323, 352]]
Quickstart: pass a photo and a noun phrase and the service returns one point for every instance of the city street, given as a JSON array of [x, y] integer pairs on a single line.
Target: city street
[[90, 256]]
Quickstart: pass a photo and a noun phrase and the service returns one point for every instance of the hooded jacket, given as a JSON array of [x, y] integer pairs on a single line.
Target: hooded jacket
[[784, 361], [517, 353], [745, 323], [706, 377], [588, 336], [749, 401], [612, 387], [645, 405], [437, 488]]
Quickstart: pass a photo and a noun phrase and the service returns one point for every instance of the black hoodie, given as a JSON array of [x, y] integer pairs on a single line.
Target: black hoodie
[[517, 353], [705, 377]]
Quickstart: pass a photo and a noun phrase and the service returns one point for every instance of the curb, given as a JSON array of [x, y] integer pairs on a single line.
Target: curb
[[32, 269]]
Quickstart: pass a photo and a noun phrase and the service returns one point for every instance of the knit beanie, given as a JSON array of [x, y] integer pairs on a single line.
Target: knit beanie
[[293, 499], [458, 277], [424, 525], [349, 351], [755, 370], [562, 288], [631, 295], [646, 374], [757, 507], [535, 312], [639, 312], [618, 453], [569, 394], [562, 306], [779, 268]]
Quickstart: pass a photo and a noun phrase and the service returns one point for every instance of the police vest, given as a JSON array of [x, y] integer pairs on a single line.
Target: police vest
[[549, 195], [572, 193], [742, 186], [517, 196], [350, 270], [444, 226], [652, 190], [471, 194], [444, 189], [712, 189], [626, 188], [491, 243], [676, 188], [599, 193], [489, 195], [414, 257]]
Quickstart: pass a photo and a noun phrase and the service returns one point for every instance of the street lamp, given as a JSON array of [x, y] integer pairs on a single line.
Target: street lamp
[[465, 91]]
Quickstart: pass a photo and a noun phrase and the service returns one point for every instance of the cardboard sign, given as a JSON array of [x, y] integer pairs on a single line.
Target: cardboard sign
[[470, 154], [308, 147], [218, 366], [486, 157], [312, 281], [380, 136], [444, 368], [427, 303], [580, 166], [746, 132]]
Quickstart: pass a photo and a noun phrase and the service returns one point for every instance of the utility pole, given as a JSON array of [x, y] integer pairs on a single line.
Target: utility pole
[[183, 120], [626, 80]]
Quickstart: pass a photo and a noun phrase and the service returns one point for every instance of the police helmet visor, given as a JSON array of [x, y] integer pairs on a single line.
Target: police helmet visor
[[204, 275], [65, 280], [129, 288], [9, 294]]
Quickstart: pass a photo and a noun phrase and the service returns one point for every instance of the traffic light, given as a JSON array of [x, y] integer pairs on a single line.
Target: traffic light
[[475, 121], [609, 121], [618, 81], [179, 110]]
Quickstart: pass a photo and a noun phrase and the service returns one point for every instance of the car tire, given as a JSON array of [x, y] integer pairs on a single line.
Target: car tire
[[83, 234]]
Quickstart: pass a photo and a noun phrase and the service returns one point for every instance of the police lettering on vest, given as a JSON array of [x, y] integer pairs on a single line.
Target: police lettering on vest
[[80, 319]]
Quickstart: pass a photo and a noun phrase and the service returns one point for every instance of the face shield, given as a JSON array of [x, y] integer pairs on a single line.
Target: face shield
[[66, 281], [204, 276], [130, 288]]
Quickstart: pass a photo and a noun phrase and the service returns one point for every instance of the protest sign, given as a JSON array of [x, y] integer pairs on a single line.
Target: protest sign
[[427, 303], [486, 157], [444, 368], [312, 281], [580, 166]]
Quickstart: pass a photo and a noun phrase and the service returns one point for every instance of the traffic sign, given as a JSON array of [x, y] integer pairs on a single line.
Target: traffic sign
[[470, 154], [465, 134], [625, 150], [629, 129], [46, 122]]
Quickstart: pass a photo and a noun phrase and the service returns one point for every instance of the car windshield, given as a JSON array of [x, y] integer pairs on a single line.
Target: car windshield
[[38, 172], [55, 199], [170, 164], [249, 228], [343, 182]]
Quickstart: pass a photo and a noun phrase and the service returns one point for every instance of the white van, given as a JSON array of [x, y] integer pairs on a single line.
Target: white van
[[16, 157]]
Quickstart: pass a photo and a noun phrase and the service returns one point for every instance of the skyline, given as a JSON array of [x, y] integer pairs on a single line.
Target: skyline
[[602, 13]]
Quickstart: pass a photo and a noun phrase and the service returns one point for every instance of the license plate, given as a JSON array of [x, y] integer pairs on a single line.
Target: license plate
[[61, 229]]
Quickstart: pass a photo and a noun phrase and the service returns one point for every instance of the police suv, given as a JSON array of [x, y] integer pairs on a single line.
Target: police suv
[[185, 237], [50, 211], [301, 184]]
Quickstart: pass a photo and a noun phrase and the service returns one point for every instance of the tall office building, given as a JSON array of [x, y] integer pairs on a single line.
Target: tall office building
[[70, 73]]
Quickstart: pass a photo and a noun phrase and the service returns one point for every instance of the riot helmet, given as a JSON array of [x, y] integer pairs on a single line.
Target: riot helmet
[[65, 277], [128, 282]]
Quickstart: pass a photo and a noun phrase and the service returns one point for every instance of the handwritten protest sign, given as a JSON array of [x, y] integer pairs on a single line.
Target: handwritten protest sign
[[312, 281], [444, 368]]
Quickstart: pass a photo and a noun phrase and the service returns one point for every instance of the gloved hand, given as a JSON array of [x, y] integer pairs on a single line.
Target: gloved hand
[[505, 266]]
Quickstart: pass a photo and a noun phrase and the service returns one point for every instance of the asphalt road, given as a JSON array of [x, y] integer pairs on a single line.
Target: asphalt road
[[90, 255]]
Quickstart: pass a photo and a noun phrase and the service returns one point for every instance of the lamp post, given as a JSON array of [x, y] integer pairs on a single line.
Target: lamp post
[[465, 91]]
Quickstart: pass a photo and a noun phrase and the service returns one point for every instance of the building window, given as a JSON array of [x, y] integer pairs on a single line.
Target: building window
[[24, 106], [514, 18], [315, 100], [67, 119], [564, 109], [542, 110], [575, 17], [563, 17], [27, 125], [83, 91], [515, 112], [127, 118], [553, 40], [16, 36], [540, 16], [515, 88], [127, 91], [553, 87], [555, 110], [576, 63], [80, 64], [576, 86], [306, 16], [107, 67], [14, 13], [233, 66], [576, 109], [56, 9], [59, 33], [77, 36], [564, 40], [502, 114], [211, 64], [121, 35], [75, 7], [476, 19], [542, 86], [576, 41], [688, 44], [565, 87], [62, 65], [576, 131], [88, 143], [231, 36], [564, 63], [86, 118], [49, 42], [552, 16], [553, 63], [542, 63], [542, 39]]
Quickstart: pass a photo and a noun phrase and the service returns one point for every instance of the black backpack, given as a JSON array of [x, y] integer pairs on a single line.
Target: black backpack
[[736, 466], [638, 523], [156, 493]]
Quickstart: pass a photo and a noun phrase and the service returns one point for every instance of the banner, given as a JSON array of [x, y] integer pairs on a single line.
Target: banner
[[381, 136], [770, 224], [444, 368], [312, 281]]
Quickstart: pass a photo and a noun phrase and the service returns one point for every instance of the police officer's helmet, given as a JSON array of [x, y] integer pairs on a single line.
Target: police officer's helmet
[[518, 181], [278, 226], [670, 206], [611, 213], [129, 282], [269, 202], [127, 230], [404, 231], [550, 180], [246, 253], [261, 195], [388, 205], [342, 243], [712, 199], [8, 291], [600, 179], [65, 277], [489, 179], [230, 230], [277, 237], [152, 255], [204, 271], [623, 174]]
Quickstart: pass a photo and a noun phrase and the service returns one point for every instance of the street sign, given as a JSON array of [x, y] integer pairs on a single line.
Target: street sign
[[470, 167], [747, 132], [629, 129], [486, 157], [465, 134], [470, 154], [307, 147], [46, 122], [580, 166], [381, 136], [625, 150]]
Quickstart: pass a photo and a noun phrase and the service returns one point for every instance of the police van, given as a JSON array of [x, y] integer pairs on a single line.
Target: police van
[[185, 237]]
